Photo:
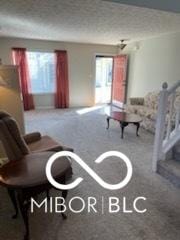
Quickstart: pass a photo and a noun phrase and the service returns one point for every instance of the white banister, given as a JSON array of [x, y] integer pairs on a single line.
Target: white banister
[[160, 123], [177, 119], [167, 131], [169, 126]]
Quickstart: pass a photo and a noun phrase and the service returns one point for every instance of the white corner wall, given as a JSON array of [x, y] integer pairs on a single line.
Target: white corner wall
[[81, 58], [156, 61]]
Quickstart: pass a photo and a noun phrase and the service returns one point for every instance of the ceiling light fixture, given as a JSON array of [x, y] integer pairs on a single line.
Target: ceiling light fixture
[[122, 45]]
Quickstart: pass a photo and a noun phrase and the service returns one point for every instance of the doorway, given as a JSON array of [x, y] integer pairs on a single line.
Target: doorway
[[119, 83], [104, 68]]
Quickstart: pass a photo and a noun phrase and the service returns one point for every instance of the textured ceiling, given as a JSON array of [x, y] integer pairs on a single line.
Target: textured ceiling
[[88, 21], [167, 5]]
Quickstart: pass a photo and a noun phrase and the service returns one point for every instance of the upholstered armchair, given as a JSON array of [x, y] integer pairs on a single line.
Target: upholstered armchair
[[17, 146], [38, 143], [20, 149]]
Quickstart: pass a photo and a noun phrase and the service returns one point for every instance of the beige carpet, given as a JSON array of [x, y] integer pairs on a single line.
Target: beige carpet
[[87, 134]]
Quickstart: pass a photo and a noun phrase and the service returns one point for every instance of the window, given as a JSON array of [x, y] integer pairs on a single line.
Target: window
[[42, 72]]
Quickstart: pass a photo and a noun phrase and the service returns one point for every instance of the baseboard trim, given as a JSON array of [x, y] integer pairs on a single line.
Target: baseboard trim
[[44, 108]]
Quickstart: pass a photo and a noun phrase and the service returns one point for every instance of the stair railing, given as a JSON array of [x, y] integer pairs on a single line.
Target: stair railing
[[167, 132]]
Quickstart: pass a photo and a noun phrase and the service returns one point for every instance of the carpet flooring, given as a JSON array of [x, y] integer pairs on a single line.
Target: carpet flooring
[[85, 131]]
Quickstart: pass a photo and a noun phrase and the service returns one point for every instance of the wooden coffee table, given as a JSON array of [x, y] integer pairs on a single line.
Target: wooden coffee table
[[124, 119]]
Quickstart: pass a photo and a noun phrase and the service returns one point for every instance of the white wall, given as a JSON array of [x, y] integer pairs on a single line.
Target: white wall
[[156, 61], [81, 66]]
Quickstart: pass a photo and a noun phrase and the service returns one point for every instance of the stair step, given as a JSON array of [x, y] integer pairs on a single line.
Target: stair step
[[170, 169], [176, 152]]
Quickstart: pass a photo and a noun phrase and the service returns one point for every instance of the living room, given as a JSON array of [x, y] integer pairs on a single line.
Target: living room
[[143, 130]]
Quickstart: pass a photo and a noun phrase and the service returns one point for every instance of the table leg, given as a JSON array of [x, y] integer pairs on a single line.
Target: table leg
[[107, 122], [122, 131], [12, 196], [137, 129], [47, 195], [64, 195], [24, 212], [123, 125]]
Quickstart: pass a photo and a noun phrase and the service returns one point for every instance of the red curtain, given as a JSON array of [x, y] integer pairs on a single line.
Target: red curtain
[[20, 59], [62, 82]]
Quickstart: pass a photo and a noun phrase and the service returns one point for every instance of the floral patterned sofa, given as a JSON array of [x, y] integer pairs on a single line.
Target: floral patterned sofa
[[147, 108]]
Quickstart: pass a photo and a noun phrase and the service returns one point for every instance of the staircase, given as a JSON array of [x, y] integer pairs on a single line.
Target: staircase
[[176, 152], [170, 169], [166, 154]]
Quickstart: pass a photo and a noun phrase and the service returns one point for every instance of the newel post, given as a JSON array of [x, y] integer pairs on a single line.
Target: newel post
[[160, 126]]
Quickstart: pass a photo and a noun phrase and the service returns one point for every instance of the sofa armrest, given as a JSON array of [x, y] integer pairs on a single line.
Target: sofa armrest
[[136, 101], [32, 137]]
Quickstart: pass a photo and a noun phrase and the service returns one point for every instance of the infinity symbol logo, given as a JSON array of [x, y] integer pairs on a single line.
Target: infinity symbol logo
[[99, 180]]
